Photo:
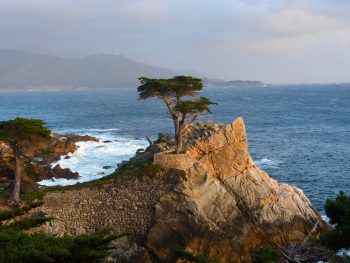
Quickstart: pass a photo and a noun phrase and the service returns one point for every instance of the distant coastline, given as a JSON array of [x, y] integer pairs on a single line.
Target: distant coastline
[[224, 83]]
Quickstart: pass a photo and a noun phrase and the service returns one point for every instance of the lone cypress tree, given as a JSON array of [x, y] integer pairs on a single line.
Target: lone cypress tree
[[176, 93], [19, 134]]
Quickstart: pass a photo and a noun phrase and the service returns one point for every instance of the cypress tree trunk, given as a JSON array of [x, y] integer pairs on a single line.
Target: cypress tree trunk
[[177, 132], [180, 142], [15, 197], [179, 139]]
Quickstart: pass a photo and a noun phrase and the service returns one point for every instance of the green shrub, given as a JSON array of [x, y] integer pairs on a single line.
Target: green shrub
[[140, 168], [265, 255], [26, 223], [150, 169], [338, 210], [18, 211], [16, 246], [183, 254]]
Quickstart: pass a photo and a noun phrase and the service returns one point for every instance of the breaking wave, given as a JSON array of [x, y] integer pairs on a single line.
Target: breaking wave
[[93, 160]]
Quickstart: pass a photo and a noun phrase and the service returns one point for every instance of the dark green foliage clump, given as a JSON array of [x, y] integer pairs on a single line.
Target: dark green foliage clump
[[140, 168], [150, 169], [20, 134], [183, 254], [179, 96], [21, 129], [265, 255], [338, 210], [16, 246], [25, 224], [18, 211]]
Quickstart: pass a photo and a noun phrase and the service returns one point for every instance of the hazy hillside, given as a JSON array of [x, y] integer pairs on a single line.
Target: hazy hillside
[[21, 70]]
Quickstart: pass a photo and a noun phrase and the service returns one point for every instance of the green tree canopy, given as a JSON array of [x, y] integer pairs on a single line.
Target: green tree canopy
[[174, 88], [178, 95], [338, 211], [20, 133]]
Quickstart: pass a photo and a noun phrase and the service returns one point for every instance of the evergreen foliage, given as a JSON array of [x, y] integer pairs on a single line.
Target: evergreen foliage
[[20, 130], [19, 247], [266, 255], [18, 211], [19, 134], [183, 254], [176, 94], [338, 210]]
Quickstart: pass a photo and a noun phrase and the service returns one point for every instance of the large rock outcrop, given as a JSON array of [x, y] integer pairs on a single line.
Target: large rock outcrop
[[222, 206], [226, 206]]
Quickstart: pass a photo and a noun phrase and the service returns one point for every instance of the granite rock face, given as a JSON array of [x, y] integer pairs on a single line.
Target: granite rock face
[[221, 205], [226, 206]]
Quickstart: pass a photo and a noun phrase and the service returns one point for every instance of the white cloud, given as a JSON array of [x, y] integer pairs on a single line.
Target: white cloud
[[295, 32], [294, 21], [235, 38]]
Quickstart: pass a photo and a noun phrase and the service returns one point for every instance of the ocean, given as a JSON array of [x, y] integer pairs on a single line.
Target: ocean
[[298, 134]]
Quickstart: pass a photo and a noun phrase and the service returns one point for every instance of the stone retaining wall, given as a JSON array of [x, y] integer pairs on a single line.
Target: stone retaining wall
[[127, 204], [180, 161]]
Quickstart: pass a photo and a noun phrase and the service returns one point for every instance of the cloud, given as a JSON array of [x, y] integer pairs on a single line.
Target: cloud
[[231, 38], [294, 21], [297, 31]]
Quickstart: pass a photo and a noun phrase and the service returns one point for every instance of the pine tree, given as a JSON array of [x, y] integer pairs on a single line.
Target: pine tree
[[22, 133], [176, 93]]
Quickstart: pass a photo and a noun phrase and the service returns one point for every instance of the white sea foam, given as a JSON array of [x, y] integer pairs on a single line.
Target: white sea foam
[[95, 131], [265, 162], [91, 157], [103, 130], [343, 252]]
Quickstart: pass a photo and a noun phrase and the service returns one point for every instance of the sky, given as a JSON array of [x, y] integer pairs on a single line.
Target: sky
[[276, 41]]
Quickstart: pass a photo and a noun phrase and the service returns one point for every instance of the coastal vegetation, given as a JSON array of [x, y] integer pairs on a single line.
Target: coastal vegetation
[[20, 240], [178, 94], [338, 210], [266, 254], [18, 246], [19, 134]]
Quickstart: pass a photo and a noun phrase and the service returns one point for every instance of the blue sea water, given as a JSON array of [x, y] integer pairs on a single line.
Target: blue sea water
[[299, 134]]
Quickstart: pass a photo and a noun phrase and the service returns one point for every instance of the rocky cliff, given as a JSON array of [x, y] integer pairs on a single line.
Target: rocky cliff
[[222, 206], [37, 161], [226, 206]]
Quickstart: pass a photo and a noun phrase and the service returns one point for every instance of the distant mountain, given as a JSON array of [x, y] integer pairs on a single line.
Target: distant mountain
[[20, 70], [224, 83]]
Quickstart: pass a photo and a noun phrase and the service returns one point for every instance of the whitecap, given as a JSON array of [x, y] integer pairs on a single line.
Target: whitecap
[[93, 160], [344, 252], [103, 130], [266, 162]]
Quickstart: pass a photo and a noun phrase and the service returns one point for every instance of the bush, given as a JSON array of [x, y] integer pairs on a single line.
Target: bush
[[183, 254], [265, 255], [8, 214], [26, 223], [16, 246], [338, 210], [150, 169]]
